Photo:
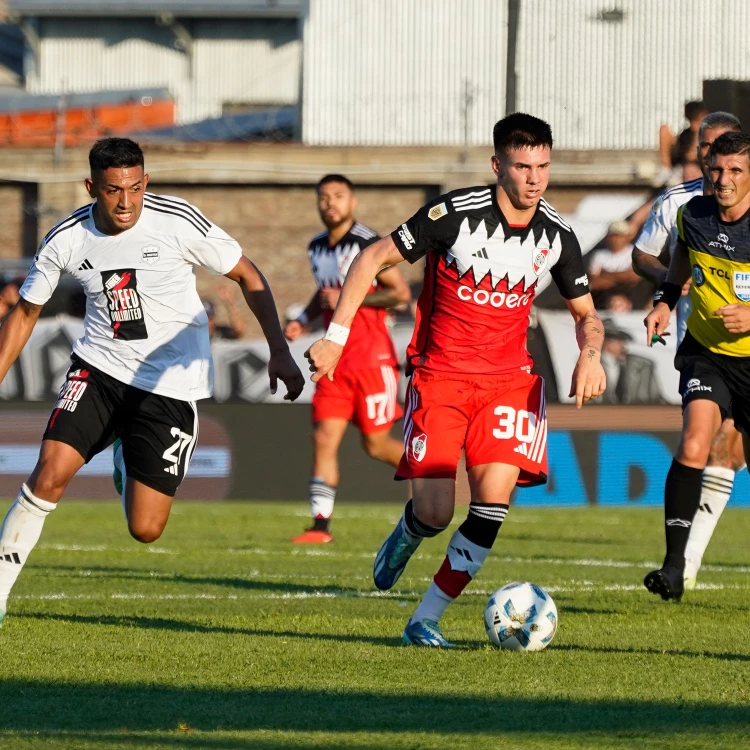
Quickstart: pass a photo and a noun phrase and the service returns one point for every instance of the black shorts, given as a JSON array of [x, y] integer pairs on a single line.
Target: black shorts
[[158, 433], [715, 377]]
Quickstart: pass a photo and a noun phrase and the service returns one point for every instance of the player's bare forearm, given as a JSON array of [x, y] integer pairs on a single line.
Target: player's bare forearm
[[649, 267], [589, 326], [362, 272], [589, 380], [15, 331], [260, 300], [395, 291], [679, 267], [314, 308]]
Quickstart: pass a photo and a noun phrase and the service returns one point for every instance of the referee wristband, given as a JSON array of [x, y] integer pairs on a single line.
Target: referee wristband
[[338, 334], [303, 319], [669, 294]]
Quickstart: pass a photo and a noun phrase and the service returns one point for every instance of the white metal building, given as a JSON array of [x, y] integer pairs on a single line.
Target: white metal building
[[212, 56], [604, 73]]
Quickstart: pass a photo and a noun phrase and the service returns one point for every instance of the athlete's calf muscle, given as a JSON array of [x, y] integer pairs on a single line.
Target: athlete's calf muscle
[[57, 465]]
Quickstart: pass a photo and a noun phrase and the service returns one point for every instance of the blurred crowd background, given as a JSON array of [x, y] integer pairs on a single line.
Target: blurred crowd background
[[242, 105]]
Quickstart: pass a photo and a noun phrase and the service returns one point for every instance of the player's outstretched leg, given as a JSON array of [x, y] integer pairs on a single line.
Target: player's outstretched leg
[[20, 532], [467, 551], [400, 546], [682, 493]]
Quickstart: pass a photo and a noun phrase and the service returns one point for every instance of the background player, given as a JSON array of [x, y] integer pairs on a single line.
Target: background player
[[144, 358], [471, 387], [656, 240], [714, 358], [366, 384]]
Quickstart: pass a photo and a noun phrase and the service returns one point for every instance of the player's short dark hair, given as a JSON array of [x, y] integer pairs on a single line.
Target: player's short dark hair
[[694, 109], [334, 178], [114, 152], [720, 120], [520, 130], [730, 143]]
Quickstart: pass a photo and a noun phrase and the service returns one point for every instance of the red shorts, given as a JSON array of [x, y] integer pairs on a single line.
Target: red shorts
[[368, 398], [494, 418]]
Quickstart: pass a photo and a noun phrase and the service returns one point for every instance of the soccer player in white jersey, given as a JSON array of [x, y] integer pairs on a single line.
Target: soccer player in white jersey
[[144, 357], [365, 388], [658, 237]]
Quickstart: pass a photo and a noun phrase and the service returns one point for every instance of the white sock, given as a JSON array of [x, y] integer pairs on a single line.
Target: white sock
[[119, 460], [432, 606], [716, 489], [462, 562], [322, 498], [20, 532]]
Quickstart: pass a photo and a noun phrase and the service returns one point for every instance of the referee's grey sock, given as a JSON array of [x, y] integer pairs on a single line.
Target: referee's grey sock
[[682, 496], [20, 532]]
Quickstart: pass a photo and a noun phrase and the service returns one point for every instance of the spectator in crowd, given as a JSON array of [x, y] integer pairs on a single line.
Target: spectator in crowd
[[631, 379], [611, 269], [678, 154], [235, 329], [619, 303]]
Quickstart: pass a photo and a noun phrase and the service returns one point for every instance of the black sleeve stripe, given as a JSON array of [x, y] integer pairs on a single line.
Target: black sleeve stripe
[[62, 228], [183, 205], [552, 215], [187, 218], [83, 211]]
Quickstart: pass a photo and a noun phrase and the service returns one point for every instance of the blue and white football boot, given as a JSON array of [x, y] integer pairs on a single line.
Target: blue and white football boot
[[393, 556], [425, 633], [116, 473]]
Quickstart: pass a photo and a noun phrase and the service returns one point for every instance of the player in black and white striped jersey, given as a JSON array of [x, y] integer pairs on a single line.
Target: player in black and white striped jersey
[[656, 240]]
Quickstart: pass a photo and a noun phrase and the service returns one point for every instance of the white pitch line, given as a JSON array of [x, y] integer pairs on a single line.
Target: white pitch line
[[577, 587], [314, 552]]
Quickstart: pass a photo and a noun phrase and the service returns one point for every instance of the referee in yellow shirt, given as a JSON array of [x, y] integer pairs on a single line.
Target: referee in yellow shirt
[[714, 357]]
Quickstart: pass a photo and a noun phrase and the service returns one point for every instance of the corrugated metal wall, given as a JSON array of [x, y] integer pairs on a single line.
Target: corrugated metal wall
[[396, 72], [249, 61], [610, 84]]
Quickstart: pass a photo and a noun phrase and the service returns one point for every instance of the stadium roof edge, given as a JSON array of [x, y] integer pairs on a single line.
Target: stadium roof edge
[[144, 8]]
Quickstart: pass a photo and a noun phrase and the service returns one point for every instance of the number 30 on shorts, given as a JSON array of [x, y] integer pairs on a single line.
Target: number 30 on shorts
[[520, 424], [176, 452]]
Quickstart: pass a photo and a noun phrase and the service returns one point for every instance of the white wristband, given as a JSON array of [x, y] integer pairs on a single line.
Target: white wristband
[[302, 319], [338, 334]]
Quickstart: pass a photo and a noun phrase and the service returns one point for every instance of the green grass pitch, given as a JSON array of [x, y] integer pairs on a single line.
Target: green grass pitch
[[223, 636]]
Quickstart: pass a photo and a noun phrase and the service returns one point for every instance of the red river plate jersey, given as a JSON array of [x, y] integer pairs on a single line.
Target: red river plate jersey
[[481, 275], [369, 345]]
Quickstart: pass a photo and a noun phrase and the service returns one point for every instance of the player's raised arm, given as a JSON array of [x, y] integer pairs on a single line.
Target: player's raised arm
[[257, 293], [324, 354]]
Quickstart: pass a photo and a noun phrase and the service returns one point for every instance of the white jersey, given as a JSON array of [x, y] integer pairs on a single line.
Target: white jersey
[[145, 324], [660, 231]]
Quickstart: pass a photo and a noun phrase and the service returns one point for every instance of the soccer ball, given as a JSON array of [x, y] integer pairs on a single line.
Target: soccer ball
[[521, 617]]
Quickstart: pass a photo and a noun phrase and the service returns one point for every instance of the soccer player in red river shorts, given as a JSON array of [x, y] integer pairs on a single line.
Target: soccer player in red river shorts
[[471, 386], [366, 385]]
